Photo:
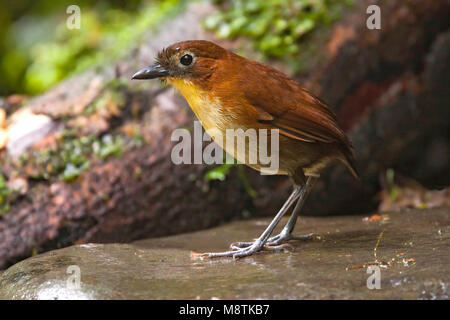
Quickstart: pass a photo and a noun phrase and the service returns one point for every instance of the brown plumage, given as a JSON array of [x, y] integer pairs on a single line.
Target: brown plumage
[[227, 91], [311, 134]]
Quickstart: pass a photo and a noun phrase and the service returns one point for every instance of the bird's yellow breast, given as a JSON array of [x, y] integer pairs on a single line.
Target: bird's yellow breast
[[211, 113], [217, 120], [206, 107]]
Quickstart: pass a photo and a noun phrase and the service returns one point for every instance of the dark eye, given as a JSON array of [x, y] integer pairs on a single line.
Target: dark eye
[[186, 60]]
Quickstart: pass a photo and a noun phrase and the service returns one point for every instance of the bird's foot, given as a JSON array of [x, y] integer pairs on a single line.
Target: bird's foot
[[238, 246], [277, 242], [283, 237], [244, 249], [247, 248], [237, 252]]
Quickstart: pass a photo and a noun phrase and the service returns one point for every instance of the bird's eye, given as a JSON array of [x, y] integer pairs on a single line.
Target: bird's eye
[[186, 60]]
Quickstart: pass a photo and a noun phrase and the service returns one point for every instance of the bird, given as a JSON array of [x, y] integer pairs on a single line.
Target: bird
[[227, 91]]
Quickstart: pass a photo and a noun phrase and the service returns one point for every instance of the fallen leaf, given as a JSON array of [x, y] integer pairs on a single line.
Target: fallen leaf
[[197, 255], [375, 217], [2, 118], [15, 99], [47, 142], [3, 138]]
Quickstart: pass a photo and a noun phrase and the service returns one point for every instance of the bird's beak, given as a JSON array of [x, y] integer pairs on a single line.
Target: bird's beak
[[151, 72]]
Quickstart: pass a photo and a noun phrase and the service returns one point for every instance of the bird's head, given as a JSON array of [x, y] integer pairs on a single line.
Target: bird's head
[[194, 61]]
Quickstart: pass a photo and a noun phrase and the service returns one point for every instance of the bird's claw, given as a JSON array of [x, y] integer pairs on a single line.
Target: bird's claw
[[277, 240], [242, 249], [235, 253], [285, 237]]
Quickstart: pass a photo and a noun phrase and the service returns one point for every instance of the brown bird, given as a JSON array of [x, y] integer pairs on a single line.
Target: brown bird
[[227, 91]]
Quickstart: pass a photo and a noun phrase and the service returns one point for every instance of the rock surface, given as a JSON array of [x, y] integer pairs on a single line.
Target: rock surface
[[325, 268]]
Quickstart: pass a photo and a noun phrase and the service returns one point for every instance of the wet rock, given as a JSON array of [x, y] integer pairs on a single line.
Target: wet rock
[[412, 255]]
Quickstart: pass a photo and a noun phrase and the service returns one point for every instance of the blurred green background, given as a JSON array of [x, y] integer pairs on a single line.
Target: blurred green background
[[37, 50]]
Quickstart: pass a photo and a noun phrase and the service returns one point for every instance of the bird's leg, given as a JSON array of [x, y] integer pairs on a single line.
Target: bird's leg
[[286, 233], [258, 244], [274, 243]]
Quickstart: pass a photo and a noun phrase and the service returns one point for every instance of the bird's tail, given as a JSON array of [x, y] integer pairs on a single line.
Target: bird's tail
[[349, 160]]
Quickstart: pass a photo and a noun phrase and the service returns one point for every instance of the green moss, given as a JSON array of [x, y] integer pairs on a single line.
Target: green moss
[[4, 192], [274, 26], [137, 138], [71, 172], [72, 155], [68, 159], [113, 92], [108, 146], [138, 173]]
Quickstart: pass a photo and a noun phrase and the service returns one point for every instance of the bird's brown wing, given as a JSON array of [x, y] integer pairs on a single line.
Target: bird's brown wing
[[284, 104]]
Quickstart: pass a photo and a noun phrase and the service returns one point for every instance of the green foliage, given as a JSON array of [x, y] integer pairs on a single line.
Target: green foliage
[[68, 159], [394, 190], [71, 172], [218, 173], [39, 50], [72, 155], [4, 192], [275, 26], [137, 138], [221, 172], [108, 146], [243, 177]]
